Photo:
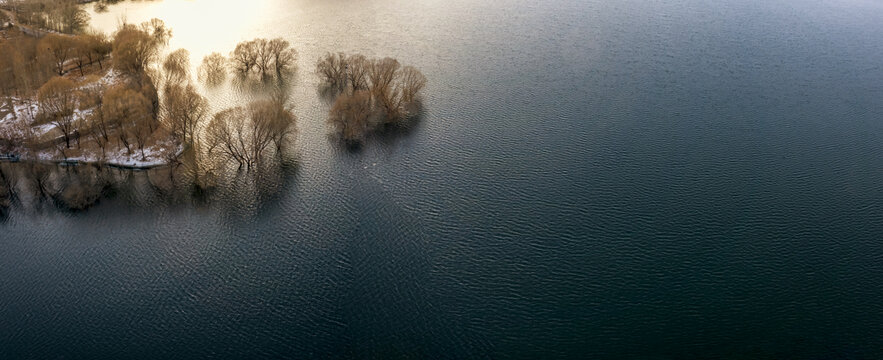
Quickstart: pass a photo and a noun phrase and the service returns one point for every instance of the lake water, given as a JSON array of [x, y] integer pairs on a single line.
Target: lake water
[[589, 179]]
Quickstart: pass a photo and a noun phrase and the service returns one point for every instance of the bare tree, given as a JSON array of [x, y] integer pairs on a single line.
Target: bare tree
[[71, 16], [97, 131], [157, 29], [82, 52], [384, 89], [141, 131], [124, 108], [372, 92], [176, 67], [99, 47], [283, 56], [265, 57], [245, 135], [244, 57], [351, 114], [213, 69], [59, 48], [273, 121], [357, 72], [95, 126], [225, 135], [57, 104], [332, 69], [134, 48], [413, 82], [184, 109]]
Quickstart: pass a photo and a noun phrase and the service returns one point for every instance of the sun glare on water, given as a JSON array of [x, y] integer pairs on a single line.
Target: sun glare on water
[[200, 26]]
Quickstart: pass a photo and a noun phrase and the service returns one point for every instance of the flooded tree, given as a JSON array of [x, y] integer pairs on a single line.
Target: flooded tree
[[386, 93], [283, 56], [57, 105], [64, 16], [226, 135], [176, 67], [134, 47], [263, 57], [158, 30], [332, 69], [244, 57], [278, 120], [351, 114], [245, 135], [213, 69], [357, 72], [370, 92], [412, 82], [184, 109]]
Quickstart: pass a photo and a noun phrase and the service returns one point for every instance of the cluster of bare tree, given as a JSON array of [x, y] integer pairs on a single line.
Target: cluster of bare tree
[[213, 69], [248, 135], [64, 16], [135, 47], [263, 57], [23, 67], [26, 63], [124, 114], [183, 108], [370, 92]]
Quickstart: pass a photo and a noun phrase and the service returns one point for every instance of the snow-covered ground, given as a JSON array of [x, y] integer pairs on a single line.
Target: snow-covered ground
[[22, 112], [156, 155]]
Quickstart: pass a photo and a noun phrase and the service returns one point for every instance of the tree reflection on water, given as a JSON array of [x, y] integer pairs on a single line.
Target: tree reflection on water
[[37, 187]]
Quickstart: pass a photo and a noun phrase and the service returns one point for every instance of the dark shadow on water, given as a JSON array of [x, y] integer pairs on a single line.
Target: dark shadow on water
[[393, 133], [328, 93], [257, 87], [78, 189], [384, 135]]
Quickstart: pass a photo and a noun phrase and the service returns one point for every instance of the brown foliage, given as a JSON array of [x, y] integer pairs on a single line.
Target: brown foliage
[[379, 89], [59, 49], [58, 15], [413, 82], [351, 114], [134, 47], [213, 69], [246, 134], [183, 110], [57, 105], [332, 69], [263, 56], [176, 67], [21, 69], [126, 110]]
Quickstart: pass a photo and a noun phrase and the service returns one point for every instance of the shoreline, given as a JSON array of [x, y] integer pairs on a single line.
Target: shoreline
[[70, 162]]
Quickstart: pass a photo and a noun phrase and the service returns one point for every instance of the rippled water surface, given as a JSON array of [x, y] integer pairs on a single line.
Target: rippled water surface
[[590, 179]]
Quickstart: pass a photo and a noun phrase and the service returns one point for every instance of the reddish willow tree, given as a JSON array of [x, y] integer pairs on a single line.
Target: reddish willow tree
[[247, 135], [372, 92]]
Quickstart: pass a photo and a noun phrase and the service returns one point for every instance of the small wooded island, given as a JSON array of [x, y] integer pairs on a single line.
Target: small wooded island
[[70, 95]]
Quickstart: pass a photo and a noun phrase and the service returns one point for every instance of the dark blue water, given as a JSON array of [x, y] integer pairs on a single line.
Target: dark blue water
[[628, 179]]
